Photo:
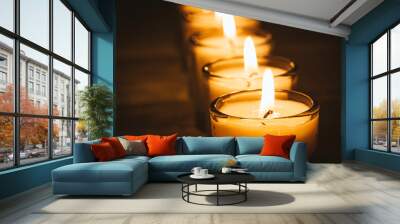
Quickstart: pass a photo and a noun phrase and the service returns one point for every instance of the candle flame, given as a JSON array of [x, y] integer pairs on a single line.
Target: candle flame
[[267, 93], [250, 57], [229, 26], [218, 16]]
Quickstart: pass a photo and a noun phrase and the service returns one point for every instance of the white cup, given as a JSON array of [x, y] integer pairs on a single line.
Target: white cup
[[226, 170], [196, 171], [203, 172]]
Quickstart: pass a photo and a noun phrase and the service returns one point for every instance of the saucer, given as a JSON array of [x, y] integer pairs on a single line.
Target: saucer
[[208, 176]]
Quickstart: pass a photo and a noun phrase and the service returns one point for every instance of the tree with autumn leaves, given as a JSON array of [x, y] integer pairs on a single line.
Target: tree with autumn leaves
[[380, 127], [33, 131]]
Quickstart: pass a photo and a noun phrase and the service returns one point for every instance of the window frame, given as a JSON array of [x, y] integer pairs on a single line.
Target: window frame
[[16, 114], [388, 74]]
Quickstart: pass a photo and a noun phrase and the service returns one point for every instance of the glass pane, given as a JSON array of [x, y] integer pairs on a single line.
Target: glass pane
[[395, 47], [395, 94], [34, 92], [7, 14], [62, 89], [379, 97], [6, 74], [81, 45], [379, 55], [34, 19], [395, 136], [81, 81], [62, 28], [62, 138], [379, 135], [81, 132], [6, 142], [33, 140]]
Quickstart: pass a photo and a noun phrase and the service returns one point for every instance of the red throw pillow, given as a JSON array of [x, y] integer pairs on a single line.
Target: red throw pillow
[[116, 145], [136, 137], [161, 145], [277, 145], [103, 152]]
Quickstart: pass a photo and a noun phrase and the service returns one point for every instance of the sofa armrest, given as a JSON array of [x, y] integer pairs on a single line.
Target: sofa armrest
[[83, 152], [298, 155]]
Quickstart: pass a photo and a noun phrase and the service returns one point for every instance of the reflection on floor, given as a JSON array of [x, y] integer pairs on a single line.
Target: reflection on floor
[[379, 190]]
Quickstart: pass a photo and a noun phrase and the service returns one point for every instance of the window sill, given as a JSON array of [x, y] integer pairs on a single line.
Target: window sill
[[26, 167], [390, 161]]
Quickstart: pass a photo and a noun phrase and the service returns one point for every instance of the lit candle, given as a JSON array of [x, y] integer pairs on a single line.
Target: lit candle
[[198, 20], [212, 46], [256, 113], [235, 74]]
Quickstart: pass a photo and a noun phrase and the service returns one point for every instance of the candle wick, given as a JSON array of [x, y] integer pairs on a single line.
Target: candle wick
[[268, 113], [232, 45], [251, 75]]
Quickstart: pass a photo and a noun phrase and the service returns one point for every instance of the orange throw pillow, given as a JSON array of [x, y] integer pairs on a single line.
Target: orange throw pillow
[[103, 152], [161, 145], [116, 145], [277, 145]]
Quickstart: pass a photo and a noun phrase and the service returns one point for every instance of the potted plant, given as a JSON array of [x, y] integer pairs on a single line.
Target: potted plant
[[96, 103]]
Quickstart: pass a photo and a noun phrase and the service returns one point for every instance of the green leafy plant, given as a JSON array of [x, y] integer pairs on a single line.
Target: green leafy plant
[[96, 103]]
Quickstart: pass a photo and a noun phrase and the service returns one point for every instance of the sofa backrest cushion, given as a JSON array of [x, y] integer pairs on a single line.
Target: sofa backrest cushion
[[249, 145], [83, 152], [206, 145]]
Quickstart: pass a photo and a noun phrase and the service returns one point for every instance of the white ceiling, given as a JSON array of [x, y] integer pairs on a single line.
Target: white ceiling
[[324, 16], [319, 9]]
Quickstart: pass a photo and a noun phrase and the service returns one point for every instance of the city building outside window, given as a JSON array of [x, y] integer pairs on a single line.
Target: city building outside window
[[34, 130]]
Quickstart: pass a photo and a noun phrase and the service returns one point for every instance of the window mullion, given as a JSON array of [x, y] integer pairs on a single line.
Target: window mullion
[[73, 82], [50, 81], [16, 69], [389, 100]]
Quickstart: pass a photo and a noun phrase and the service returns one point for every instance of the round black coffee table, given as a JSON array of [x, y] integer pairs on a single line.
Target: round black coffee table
[[238, 179]]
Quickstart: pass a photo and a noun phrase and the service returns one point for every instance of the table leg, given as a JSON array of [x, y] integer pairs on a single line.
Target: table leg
[[217, 194], [195, 188], [245, 193]]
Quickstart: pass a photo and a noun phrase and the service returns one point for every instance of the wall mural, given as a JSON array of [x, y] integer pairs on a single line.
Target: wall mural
[[249, 78]]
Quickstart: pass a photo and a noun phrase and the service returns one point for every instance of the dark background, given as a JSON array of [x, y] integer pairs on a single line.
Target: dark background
[[152, 86]]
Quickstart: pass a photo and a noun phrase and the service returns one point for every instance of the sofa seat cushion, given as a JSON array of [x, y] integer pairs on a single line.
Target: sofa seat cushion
[[185, 163], [257, 163], [133, 158], [112, 171]]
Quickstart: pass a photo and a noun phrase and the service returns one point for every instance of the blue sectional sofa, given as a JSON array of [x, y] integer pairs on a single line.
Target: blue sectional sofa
[[125, 176]]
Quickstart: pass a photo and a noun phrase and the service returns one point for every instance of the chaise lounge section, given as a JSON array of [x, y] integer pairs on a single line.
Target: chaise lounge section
[[125, 176]]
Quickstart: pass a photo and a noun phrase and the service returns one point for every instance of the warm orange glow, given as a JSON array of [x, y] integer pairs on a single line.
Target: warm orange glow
[[250, 57], [267, 94], [229, 26], [218, 16]]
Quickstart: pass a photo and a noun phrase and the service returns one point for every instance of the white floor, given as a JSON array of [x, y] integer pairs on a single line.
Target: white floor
[[377, 189]]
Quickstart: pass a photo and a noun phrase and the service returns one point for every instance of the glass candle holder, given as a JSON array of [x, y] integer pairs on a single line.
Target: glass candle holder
[[195, 20], [237, 114], [204, 20], [228, 75], [211, 46]]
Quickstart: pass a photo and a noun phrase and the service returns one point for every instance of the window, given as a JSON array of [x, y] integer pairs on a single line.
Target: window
[[7, 73], [30, 88], [7, 14], [81, 45], [42, 123], [62, 30], [3, 61], [385, 91], [34, 21], [30, 72]]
